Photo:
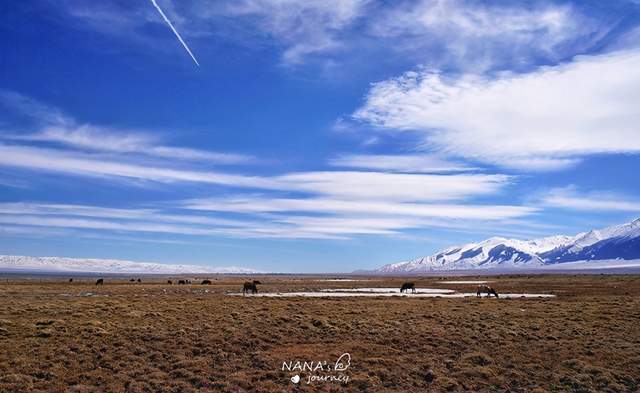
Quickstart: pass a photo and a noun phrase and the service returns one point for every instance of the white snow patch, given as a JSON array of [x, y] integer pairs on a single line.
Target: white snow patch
[[389, 290], [390, 294], [463, 282]]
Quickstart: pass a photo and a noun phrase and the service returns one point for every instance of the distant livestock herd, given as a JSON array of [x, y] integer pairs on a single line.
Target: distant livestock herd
[[251, 287], [100, 281], [483, 288], [248, 287]]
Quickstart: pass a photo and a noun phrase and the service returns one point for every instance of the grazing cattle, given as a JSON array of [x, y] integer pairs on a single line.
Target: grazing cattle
[[71, 280], [188, 282], [132, 280], [206, 282], [100, 281], [139, 280], [182, 282], [250, 287], [486, 289], [408, 285], [169, 282]]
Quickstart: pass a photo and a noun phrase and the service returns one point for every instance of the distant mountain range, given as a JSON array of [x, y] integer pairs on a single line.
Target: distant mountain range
[[16, 263], [615, 246]]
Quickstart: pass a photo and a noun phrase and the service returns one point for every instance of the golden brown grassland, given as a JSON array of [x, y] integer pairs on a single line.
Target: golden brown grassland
[[57, 336]]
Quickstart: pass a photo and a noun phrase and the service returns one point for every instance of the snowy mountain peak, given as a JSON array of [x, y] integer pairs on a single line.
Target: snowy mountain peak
[[81, 265], [618, 241]]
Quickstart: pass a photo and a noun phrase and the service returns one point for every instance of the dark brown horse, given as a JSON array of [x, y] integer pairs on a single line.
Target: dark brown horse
[[486, 289], [408, 286], [182, 282], [250, 287], [100, 281], [206, 282]]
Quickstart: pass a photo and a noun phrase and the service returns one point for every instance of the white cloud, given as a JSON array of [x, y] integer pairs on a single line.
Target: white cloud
[[595, 201], [547, 119], [151, 215], [468, 19], [365, 207], [460, 34], [304, 28], [344, 184], [476, 36], [32, 108], [53, 125], [263, 217], [18, 217], [105, 139], [74, 163], [393, 186], [399, 163]]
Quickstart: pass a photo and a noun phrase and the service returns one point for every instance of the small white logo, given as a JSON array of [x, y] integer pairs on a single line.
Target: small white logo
[[343, 362], [319, 370]]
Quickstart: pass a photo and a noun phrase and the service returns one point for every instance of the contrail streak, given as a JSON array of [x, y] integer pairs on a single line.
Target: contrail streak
[[174, 31]]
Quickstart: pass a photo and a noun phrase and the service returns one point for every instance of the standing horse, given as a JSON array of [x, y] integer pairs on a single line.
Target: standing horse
[[100, 281], [408, 285], [486, 289], [250, 286]]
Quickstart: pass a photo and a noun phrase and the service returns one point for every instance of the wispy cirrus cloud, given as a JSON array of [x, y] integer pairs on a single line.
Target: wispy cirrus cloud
[[87, 136], [410, 163], [31, 109], [479, 36], [387, 196], [344, 184], [52, 125], [544, 120], [82, 164], [256, 218], [572, 198], [306, 28], [265, 204], [454, 34]]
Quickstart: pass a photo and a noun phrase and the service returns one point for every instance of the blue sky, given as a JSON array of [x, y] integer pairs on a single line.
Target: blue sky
[[312, 136]]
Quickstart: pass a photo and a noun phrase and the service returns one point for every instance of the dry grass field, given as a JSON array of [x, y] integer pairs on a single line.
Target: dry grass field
[[57, 336]]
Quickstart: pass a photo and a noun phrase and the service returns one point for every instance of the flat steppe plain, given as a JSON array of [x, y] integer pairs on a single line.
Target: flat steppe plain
[[57, 336]]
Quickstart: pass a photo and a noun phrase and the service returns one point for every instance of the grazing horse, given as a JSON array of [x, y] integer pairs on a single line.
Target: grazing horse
[[182, 282], [100, 281], [169, 282], [71, 280], [206, 282], [139, 280], [486, 289], [250, 286], [408, 285], [132, 280]]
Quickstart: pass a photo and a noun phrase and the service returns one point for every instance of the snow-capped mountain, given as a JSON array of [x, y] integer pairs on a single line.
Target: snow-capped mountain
[[615, 242], [81, 265]]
